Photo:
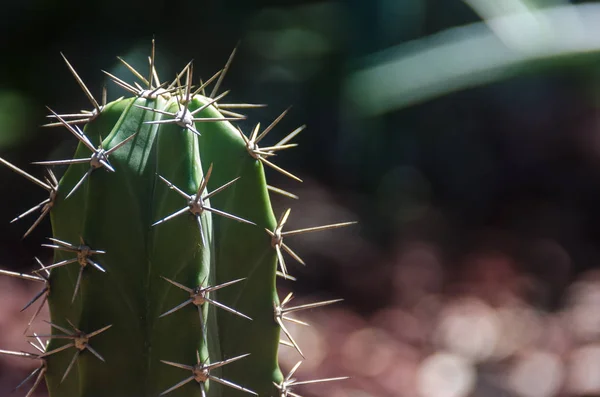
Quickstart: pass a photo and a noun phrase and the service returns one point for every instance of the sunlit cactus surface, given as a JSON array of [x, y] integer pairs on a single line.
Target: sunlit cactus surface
[[167, 252]]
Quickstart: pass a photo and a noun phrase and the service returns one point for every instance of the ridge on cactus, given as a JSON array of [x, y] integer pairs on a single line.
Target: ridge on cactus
[[163, 197]]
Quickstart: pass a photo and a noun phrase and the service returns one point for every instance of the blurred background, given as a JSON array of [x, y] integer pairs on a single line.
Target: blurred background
[[464, 136]]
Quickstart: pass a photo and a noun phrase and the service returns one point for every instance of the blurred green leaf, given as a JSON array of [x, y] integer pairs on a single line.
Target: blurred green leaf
[[472, 55]]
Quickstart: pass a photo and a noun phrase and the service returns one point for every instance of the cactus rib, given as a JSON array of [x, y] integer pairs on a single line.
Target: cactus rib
[[83, 253], [80, 341], [201, 373], [260, 153]]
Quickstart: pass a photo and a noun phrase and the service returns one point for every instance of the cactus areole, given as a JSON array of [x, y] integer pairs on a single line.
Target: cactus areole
[[166, 250]]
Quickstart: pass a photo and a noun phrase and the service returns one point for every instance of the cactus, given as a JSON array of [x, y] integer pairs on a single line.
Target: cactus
[[166, 249]]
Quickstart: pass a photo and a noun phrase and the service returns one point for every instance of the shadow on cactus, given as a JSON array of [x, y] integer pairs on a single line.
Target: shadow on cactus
[[166, 249]]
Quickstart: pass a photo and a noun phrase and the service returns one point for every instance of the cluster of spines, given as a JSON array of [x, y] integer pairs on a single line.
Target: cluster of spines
[[198, 295]]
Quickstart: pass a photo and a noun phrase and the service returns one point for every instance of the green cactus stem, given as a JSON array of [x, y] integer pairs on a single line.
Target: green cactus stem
[[166, 249]]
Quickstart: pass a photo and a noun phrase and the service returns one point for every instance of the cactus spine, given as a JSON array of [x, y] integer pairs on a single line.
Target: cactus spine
[[166, 249]]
